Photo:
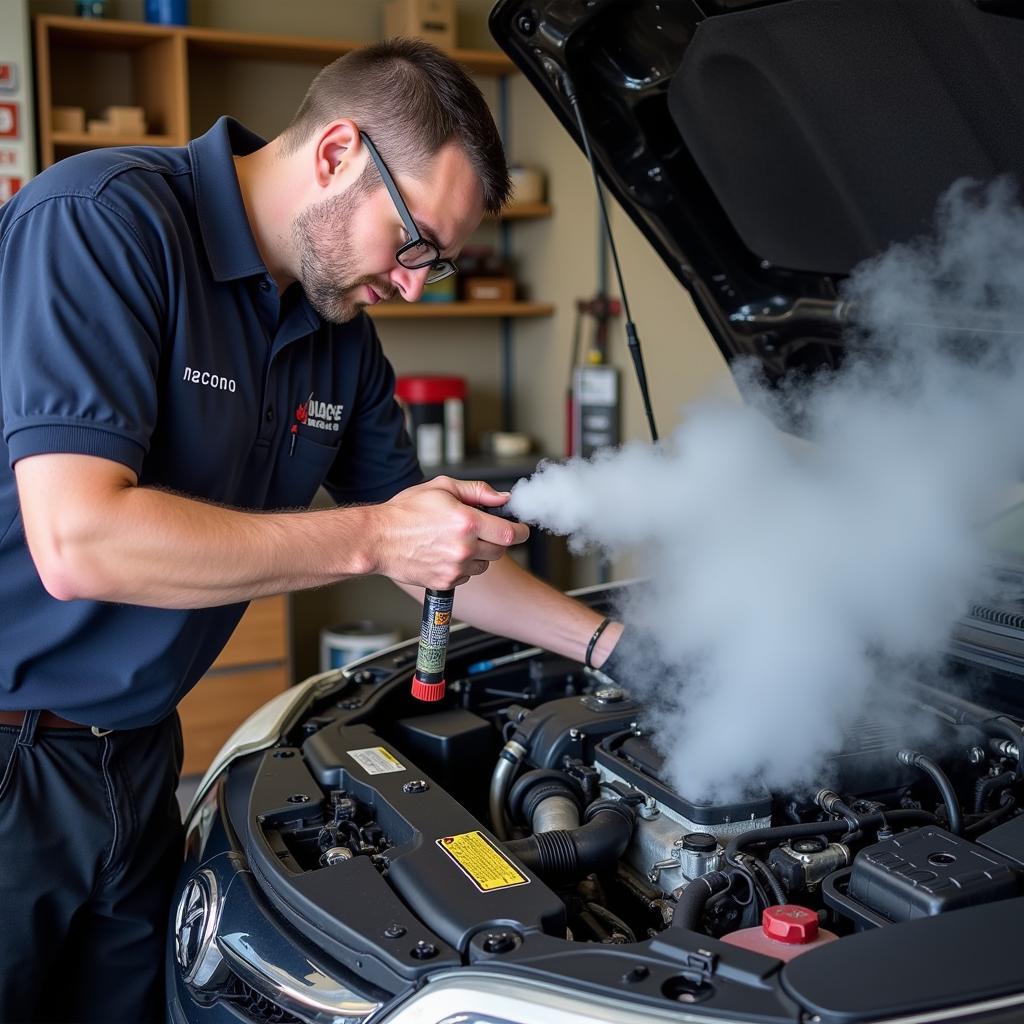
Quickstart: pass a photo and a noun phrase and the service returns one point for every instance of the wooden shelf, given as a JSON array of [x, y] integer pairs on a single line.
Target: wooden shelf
[[461, 310], [250, 45], [525, 211], [103, 33], [86, 140]]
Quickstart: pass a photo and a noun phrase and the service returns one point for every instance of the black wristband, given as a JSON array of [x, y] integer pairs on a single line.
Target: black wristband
[[601, 627]]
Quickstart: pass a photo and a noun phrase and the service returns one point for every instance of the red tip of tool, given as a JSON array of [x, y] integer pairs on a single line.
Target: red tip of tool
[[427, 691]]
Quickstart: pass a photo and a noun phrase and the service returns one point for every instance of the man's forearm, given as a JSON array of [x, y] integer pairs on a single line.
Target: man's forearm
[[164, 550], [94, 534], [509, 601]]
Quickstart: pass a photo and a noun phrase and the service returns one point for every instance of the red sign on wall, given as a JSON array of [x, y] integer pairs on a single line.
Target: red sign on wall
[[8, 76], [8, 120], [8, 186]]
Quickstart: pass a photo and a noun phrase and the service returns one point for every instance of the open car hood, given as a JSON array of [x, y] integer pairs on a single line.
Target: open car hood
[[766, 148]]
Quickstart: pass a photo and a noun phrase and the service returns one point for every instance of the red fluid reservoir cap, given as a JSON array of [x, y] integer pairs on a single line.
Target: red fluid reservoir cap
[[790, 923], [427, 691]]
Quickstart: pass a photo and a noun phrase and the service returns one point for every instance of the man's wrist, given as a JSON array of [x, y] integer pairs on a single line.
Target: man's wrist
[[606, 644]]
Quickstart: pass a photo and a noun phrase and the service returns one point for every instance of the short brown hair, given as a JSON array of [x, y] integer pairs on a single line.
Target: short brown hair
[[411, 99]]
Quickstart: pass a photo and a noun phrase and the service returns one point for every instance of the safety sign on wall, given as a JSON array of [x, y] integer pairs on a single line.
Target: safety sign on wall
[[8, 76], [8, 186], [8, 120]]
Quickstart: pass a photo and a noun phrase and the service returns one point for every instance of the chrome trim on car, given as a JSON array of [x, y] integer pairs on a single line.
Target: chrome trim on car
[[469, 995], [195, 925], [293, 982]]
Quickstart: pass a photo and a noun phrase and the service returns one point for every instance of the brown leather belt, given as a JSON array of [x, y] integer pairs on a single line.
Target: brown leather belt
[[47, 720]]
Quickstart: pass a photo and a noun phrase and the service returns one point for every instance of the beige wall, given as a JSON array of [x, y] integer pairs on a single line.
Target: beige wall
[[557, 261]]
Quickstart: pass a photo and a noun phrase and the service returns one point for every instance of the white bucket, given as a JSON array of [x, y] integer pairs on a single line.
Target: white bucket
[[341, 644]]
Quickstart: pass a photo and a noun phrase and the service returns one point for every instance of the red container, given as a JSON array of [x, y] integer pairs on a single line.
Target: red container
[[786, 931], [434, 414]]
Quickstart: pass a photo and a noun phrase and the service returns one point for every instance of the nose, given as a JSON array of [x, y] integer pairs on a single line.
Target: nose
[[410, 283]]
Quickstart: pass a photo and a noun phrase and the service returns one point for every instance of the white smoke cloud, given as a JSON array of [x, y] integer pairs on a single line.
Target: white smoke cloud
[[783, 577]]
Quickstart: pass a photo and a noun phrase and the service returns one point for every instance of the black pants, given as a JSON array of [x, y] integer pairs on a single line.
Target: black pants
[[90, 845]]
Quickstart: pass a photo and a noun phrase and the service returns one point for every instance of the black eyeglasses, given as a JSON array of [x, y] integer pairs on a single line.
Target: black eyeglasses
[[418, 252]]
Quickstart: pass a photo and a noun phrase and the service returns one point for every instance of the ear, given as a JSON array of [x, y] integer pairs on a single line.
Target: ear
[[339, 154]]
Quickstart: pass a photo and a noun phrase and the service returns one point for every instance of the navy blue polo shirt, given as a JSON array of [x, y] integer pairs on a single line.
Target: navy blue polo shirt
[[138, 323]]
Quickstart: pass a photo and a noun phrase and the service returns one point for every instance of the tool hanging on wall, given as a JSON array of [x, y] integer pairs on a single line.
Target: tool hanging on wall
[[592, 395]]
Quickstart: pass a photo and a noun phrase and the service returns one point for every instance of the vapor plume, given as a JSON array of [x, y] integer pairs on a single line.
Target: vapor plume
[[785, 579]]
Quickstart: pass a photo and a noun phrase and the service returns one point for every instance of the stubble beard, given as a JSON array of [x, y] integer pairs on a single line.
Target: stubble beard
[[327, 258]]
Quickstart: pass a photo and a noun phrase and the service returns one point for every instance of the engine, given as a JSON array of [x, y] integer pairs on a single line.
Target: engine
[[552, 768], [901, 825]]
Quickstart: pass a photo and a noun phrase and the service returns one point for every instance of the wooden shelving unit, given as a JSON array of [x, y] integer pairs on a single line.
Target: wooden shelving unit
[[525, 211], [154, 71], [88, 140], [463, 310]]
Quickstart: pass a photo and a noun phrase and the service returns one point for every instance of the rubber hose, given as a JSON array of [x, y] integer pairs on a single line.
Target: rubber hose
[[780, 833], [565, 855], [976, 714], [987, 785], [509, 759], [954, 816], [774, 885], [695, 898], [1008, 804]]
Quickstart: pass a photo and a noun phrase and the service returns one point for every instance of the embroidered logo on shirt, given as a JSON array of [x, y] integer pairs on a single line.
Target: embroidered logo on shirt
[[210, 380], [321, 415]]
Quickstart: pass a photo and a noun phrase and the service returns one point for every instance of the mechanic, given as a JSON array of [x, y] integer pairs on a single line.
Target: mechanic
[[184, 360]]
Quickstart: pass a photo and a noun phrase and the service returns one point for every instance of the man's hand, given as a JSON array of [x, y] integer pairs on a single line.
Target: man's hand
[[432, 536]]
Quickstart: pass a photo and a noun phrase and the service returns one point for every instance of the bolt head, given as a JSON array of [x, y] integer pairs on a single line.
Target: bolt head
[[424, 950], [337, 855], [394, 931], [526, 23], [499, 942]]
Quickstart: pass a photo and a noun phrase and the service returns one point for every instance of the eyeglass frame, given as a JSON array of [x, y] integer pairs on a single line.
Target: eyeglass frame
[[415, 238]]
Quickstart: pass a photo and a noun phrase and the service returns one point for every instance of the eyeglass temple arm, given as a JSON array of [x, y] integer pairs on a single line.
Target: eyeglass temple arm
[[389, 184]]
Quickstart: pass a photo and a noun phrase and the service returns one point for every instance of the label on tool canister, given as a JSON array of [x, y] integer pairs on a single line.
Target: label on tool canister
[[434, 629]]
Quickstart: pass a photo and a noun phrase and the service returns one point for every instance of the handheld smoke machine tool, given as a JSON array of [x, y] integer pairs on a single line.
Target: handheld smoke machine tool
[[428, 680]]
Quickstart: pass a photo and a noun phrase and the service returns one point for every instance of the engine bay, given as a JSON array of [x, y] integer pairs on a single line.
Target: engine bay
[[533, 803]]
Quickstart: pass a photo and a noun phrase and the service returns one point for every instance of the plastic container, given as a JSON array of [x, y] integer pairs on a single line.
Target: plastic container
[[341, 644], [167, 12], [434, 413], [786, 932]]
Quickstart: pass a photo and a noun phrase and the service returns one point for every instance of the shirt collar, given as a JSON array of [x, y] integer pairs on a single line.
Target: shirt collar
[[223, 223]]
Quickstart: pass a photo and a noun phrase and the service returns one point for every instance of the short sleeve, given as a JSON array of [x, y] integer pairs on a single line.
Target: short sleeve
[[80, 327], [376, 459]]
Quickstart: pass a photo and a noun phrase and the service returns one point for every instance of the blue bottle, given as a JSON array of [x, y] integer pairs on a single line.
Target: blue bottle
[[167, 12]]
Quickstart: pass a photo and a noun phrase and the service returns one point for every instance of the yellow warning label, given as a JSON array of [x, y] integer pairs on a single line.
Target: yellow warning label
[[376, 760], [442, 618], [481, 862]]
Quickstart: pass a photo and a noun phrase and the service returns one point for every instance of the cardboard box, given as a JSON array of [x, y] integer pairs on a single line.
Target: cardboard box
[[489, 289], [432, 20], [126, 120], [96, 126], [67, 119]]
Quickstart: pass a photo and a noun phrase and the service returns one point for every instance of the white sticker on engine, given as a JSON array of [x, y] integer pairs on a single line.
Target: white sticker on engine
[[376, 760]]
